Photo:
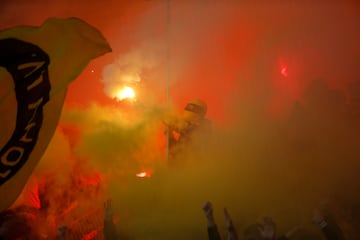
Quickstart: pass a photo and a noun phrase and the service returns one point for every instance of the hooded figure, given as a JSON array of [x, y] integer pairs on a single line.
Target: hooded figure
[[188, 130]]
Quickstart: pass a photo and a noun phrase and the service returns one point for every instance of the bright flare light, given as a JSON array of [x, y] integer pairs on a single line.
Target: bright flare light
[[125, 93], [284, 71], [143, 174]]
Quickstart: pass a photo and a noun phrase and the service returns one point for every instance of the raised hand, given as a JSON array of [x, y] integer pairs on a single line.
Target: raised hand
[[228, 220], [108, 211], [208, 210], [268, 229], [232, 234]]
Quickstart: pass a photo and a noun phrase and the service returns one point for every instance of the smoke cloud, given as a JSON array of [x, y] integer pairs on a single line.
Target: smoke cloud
[[282, 85]]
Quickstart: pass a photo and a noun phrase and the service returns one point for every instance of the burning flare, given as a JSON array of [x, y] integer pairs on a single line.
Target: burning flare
[[125, 93], [143, 174], [284, 71]]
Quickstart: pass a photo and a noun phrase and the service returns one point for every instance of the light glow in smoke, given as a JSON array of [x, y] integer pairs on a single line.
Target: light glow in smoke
[[283, 70], [125, 93], [143, 174]]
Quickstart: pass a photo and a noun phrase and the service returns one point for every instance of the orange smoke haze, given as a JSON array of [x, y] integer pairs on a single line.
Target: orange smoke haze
[[281, 81]]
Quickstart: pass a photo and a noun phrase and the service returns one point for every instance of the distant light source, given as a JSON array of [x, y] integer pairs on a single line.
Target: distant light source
[[284, 71]]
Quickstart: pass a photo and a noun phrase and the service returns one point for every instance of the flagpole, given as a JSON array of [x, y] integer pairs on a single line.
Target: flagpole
[[167, 70]]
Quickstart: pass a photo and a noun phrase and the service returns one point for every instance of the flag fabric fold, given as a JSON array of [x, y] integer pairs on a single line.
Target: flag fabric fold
[[36, 66]]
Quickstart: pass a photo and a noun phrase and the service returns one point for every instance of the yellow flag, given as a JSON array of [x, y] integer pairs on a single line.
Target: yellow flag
[[36, 66]]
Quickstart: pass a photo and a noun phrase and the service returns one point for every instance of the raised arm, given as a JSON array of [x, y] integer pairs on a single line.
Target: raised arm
[[213, 232]]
